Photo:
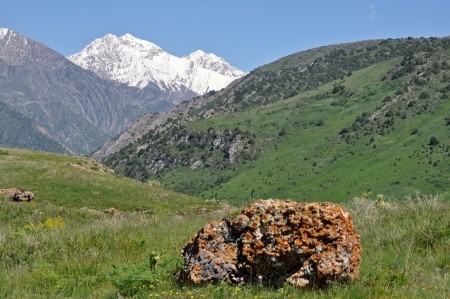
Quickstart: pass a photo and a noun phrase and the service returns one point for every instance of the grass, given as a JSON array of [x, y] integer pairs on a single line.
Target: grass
[[52, 247], [81, 182], [62, 244], [78, 258]]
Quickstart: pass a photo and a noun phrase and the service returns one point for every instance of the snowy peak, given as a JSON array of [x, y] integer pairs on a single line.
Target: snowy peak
[[212, 62], [133, 44], [127, 42], [140, 63], [114, 58], [3, 32], [8, 34]]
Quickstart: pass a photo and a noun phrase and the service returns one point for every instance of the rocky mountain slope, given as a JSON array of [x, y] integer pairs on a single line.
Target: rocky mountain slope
[[73, 107], [72, 110], [142, 64], [282, 79], [320, 122], [19, 131]]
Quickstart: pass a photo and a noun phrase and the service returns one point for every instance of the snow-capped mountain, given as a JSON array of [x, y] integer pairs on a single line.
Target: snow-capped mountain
[[49, 103], [212, 62], [140, 63]]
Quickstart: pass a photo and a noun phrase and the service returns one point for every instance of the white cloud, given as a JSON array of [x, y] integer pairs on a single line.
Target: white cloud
[[373, 12]]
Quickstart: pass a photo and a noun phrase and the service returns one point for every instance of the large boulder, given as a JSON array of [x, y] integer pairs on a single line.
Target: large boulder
[[17, 194], [273, 242]]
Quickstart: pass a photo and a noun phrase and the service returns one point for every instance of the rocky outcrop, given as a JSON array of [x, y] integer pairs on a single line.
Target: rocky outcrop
[[17, 194], [273, 242], [153, 153]]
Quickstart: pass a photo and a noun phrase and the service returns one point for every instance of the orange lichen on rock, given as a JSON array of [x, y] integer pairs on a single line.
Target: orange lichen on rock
[[275, 242]]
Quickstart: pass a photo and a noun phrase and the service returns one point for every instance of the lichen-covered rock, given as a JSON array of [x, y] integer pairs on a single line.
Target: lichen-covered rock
[[17, 194], [274, 242]]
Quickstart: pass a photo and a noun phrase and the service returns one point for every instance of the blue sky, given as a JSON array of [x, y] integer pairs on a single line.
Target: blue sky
[[247, 33]]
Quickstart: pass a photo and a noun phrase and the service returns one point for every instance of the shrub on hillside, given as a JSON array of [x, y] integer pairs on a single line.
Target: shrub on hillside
[[433, 141], [424, 95], [131, 280]]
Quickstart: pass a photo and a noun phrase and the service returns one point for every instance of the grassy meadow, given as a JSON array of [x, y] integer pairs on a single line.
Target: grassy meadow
[[63, 245]]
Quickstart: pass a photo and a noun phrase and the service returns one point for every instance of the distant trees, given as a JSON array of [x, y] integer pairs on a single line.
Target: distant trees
[[282, 132], [433, 141], [338, 89], [424, 95]]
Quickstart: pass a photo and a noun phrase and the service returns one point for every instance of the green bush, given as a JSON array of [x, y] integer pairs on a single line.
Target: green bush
[[433, 141], [424, 95], [138, 278]]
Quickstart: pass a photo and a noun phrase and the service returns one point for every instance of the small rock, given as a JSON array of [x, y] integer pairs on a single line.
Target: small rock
[[18, 195], [197, 164]]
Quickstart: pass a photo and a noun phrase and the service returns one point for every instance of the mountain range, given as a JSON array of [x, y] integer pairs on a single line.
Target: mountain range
[[365, 125], [141, 64], [66, 109], [74, 108], [333, 121], [329, 122]]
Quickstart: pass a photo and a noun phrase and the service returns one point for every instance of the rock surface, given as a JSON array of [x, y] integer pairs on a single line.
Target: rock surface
[[114, 212], [275, 242], [17, 194]]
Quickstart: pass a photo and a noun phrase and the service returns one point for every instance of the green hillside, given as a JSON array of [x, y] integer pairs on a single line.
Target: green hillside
[[330, 149], [62, 244], [383, 128], [82, 182]]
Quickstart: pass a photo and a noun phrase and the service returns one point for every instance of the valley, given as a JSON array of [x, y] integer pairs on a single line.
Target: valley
[[363, 124]]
